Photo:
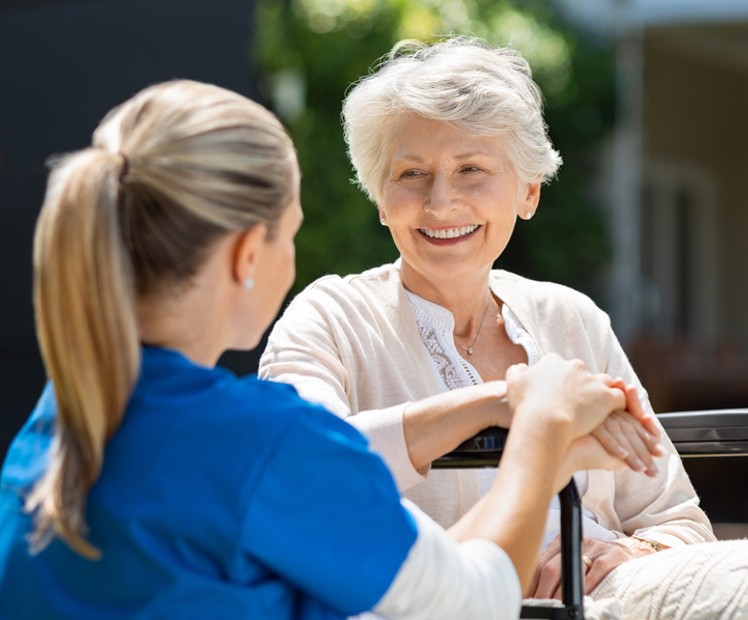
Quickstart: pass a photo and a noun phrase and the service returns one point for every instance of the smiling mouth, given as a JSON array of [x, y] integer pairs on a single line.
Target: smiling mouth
[[449, 233]]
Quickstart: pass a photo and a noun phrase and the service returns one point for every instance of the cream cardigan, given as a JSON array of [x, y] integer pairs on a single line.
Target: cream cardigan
[[352, 344]]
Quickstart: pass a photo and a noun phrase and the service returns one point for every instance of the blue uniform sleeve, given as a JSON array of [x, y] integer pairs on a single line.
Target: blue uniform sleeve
[[326, 515]]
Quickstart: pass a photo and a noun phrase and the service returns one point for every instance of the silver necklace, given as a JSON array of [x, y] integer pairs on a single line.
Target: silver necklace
[[469, 348]]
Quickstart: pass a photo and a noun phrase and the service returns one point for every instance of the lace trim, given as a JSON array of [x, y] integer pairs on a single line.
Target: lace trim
[[444, 363], [436, 325]]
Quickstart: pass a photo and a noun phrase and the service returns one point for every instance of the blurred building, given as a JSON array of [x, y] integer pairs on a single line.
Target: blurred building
[[677, 196]]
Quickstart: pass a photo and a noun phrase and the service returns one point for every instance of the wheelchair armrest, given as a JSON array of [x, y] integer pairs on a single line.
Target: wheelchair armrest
[[481, 450], [712, 432]]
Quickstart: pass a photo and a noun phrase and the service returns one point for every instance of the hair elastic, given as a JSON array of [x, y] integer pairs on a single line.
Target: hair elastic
[[125, 166]]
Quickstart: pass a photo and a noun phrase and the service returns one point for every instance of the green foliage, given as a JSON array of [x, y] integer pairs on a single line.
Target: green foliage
[[325, 45]]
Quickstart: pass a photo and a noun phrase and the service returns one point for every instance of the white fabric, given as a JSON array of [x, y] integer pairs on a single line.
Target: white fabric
[[696, 582], [353, 345], [443, 579]]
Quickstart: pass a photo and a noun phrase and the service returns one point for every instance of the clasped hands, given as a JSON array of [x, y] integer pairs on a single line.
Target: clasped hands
[[628, 436]]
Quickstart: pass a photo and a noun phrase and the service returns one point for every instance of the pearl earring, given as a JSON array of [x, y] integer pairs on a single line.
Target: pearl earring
[[249, 283], [528, 215]]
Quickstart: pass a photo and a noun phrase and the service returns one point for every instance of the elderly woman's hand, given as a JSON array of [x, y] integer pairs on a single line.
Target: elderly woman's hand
[[631, 435], [601, 557]]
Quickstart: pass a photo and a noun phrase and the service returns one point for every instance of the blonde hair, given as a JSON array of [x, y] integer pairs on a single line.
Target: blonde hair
[[460, 80], [169, 172]]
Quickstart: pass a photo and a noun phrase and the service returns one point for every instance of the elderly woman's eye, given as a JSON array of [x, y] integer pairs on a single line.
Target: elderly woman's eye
[[471, 169]]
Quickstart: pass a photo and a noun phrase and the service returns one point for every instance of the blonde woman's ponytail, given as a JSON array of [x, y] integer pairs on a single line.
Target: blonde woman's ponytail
[[201, 163], [85, 313]]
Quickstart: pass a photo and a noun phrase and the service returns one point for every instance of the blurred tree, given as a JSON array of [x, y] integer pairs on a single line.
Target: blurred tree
[[308, 53]]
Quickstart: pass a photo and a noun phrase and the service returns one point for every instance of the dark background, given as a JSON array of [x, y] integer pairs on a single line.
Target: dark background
[[63, 65]]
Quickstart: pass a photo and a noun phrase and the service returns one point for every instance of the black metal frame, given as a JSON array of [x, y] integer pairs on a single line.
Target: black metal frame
[[714, 433], [484, 450]]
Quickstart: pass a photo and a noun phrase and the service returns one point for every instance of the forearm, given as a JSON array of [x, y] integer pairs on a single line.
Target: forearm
[[411, 435], [438, 424], [514, 512], [443, 579]]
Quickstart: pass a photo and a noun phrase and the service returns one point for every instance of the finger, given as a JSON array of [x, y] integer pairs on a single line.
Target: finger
[[618, 395], [598, 571], [635, 408], [650, 443], [550, 578], [609, 442], [638, 440], [641, 445], [606, 556], [618, 444], [514, 371], [622, 428], [552, 550]]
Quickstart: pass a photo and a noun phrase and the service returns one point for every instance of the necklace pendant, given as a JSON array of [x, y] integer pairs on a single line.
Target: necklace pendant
[[469, 350]]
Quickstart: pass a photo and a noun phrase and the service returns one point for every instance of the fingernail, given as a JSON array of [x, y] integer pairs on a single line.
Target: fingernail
[[660, 448], [638, 465], [653, 469], [622, 453]]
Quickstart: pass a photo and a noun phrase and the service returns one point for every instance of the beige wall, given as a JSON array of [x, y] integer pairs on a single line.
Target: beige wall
[[696, 118]]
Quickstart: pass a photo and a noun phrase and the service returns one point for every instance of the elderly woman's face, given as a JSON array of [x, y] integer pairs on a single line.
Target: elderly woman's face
[[450, 200]]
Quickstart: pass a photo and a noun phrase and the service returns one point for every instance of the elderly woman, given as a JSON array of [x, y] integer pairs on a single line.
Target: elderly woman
[[450, 143]]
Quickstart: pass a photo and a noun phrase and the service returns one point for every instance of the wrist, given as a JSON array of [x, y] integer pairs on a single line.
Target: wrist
[[641, 546], [555, 424], [501, 412], [651, 545], [495, 410]]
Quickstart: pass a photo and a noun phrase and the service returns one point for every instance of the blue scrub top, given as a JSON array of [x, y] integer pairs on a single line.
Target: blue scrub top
[[220, 497]]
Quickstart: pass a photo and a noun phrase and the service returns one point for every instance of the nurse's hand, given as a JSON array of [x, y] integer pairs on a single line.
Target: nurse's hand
[[563, 393], [585, 453]]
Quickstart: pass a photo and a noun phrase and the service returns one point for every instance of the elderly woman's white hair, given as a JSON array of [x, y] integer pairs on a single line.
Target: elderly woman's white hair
[[461, 80]]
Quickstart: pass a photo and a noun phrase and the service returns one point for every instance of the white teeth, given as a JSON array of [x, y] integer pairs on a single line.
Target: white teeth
[[449, 233]]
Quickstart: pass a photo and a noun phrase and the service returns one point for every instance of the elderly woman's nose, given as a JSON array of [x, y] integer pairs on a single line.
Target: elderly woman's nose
[[441, 196]]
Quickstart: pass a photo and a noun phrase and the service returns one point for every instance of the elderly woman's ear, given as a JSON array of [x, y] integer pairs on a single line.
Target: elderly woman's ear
[[529, 197]]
